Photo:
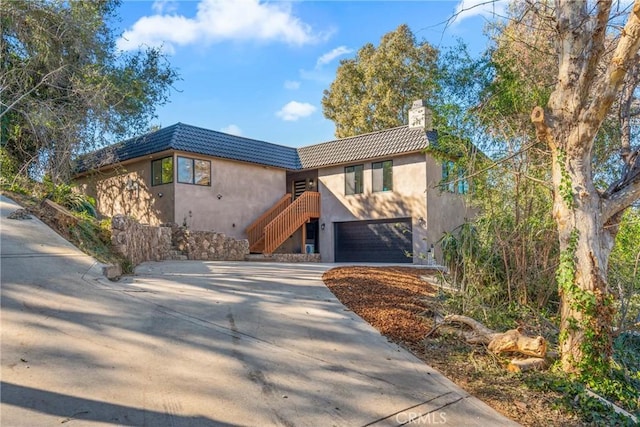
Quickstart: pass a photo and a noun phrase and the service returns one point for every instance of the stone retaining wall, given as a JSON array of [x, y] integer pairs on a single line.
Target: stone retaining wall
[[138, 242], [208, 245]]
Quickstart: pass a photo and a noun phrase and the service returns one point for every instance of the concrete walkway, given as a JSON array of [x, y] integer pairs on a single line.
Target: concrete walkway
[[198, 344]]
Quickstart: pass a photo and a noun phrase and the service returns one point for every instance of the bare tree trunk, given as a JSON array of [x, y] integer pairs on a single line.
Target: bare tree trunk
[[586, 310], [583, 96]]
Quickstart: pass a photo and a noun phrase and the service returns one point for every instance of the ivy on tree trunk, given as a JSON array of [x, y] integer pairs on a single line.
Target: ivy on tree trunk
[[586, 88]]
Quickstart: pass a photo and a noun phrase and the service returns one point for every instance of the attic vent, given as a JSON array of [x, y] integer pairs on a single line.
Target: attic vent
[[420, 116]]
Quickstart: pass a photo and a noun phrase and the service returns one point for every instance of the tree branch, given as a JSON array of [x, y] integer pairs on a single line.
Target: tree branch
[[626, 107], [539, 120], [624, 192], [622, 60], [595, 48], [27, 93]]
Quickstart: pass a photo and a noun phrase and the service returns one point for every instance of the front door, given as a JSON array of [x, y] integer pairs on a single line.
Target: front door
[[299, 187]]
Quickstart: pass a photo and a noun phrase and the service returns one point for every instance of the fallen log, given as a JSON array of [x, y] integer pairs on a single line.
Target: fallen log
[[511, 341], [531, 363], [479, 333]]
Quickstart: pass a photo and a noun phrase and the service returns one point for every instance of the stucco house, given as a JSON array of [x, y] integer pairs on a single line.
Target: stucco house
[[369, 198]]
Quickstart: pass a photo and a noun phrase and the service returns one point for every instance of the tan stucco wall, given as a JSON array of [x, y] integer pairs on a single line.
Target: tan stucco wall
[[407, 200], [246, 191], [127, 190], [446, 211], [415, 195]]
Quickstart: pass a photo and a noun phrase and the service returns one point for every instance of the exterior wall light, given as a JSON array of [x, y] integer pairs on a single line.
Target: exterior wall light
[[322, 226]]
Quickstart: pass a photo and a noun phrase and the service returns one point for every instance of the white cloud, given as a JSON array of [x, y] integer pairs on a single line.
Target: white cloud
[[330, 56], [218, 20], [164, 6], [291, 85], [486, 8], [295, 110], [232, 130]]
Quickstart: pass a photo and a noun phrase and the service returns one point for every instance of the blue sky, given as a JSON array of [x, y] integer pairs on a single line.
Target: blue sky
[[258, 69]]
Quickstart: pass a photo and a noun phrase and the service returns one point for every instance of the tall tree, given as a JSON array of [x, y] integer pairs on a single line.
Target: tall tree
[[587, 86], [374, 90], [563, 57], [65, 87]]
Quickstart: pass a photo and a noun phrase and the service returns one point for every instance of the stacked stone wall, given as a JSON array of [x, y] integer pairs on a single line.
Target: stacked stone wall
[[208, 245], [139, 242]]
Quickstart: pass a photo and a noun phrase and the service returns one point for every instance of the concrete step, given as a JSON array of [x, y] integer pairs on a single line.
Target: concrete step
[[286, 258], [259, 258]]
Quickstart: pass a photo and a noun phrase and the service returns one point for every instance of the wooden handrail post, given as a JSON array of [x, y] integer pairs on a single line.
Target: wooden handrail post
[[255, 231], [304, 208]]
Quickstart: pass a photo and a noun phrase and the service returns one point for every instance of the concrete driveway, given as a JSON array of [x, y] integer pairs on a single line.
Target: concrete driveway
[[198, 344]]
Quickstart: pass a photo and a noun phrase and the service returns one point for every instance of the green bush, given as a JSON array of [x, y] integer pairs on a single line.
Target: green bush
[[624, 269], [67, 196], [9, 178], [8, 166], [575, 397]]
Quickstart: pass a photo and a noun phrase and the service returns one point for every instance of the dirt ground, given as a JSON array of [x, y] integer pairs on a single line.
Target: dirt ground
[[399, 303]]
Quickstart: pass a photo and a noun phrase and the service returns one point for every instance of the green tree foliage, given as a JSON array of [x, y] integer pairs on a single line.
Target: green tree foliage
[[66, 88], [624, 270], [488, 101], [374, 90], [517, 204], [576, 151]]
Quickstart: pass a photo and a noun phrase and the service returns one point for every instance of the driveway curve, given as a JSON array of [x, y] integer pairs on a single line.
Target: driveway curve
[[192, 343]]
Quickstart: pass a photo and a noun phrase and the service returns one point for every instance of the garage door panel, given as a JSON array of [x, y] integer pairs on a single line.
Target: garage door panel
[[373, 241]]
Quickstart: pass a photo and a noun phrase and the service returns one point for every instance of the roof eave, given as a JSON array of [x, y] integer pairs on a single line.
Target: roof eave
[[114, 165], [369, 159]]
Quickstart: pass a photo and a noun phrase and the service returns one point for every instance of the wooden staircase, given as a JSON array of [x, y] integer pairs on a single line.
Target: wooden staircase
[[275, 226]]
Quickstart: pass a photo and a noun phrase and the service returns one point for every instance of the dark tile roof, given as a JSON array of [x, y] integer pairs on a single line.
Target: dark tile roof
[[367, 146], [193, 139], [218, 144], [197, 140]]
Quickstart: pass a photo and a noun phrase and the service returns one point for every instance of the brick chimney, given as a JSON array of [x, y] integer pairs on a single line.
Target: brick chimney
[[420, 116]]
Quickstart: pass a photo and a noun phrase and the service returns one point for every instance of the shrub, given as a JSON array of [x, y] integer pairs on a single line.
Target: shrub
[[69, 197]]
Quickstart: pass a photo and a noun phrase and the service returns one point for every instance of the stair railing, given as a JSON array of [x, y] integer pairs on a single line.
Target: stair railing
[[278, 230], [255, 231]]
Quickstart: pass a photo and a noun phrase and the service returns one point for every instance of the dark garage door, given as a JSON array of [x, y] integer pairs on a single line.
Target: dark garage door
[[373, 241]]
